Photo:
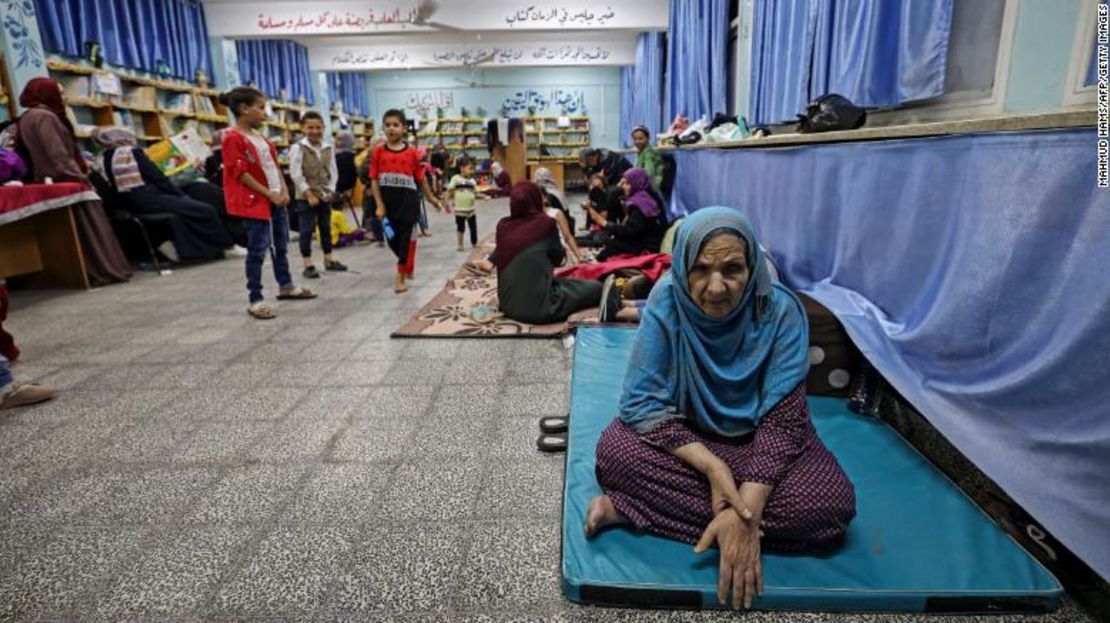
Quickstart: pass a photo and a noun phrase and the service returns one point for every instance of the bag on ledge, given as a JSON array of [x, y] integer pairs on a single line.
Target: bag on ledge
[[831, 112]]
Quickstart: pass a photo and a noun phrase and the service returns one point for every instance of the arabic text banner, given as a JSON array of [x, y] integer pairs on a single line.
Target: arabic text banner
[[242, 19]]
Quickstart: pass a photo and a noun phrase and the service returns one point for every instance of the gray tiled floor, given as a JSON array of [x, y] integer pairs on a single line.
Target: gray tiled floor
[[203, 465]]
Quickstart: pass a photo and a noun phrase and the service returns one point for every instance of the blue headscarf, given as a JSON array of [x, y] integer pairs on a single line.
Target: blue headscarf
[[726, 373]]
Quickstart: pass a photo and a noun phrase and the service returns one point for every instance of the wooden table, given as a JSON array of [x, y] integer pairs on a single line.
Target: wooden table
[[38, 235], [556, 168]]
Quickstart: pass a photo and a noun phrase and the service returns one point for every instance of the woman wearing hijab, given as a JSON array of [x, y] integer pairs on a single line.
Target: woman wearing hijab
[[345, 163], [528, 250], [555, 207], [644, 223], [647, 158], [45, 140], [198, 231], [713, 444], [500, 179]]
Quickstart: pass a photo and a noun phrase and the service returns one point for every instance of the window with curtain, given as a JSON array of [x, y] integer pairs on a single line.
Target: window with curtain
[[139, 34], [274, 66], [348, 89], [878, 53], [642, 87]]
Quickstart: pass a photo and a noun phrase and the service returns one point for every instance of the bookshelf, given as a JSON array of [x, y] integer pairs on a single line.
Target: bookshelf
[[455, 134], [459, 134], [361, 127], [157, 109], [154, 109], [561, 144]]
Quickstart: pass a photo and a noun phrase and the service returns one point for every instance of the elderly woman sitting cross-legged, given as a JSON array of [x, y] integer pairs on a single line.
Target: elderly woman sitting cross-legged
[[714, 444]]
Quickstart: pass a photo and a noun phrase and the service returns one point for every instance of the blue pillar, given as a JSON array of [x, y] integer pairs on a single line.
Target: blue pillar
[[319, 82], [21, 44], [225, 63]]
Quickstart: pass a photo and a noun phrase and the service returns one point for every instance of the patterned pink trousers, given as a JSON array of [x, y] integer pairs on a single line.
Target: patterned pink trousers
[[811, 502]]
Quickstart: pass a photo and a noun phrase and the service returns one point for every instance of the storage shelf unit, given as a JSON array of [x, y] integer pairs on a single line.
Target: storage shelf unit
[[459, 134], [157, 109], [154, 109], [361, 127], [547, 142]]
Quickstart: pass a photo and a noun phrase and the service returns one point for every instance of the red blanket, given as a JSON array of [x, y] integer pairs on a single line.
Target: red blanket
[[652, 265], [19, 202]]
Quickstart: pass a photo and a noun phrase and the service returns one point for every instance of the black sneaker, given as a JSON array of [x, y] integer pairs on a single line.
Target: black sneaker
[[864, 393], [311, 273], [334, 266], [610, 300]]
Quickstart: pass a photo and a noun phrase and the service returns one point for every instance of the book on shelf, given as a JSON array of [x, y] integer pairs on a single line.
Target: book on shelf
[[106, 83], [179, 102], [141, 97], [76, 87], [204, 105]]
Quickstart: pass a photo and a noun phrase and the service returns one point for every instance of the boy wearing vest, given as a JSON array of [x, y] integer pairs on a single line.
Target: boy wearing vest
[[315, 174]]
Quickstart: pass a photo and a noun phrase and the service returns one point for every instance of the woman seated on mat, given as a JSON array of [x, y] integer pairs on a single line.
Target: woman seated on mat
[[714, 444], [644, 223], [527, 252], [198, 231], [554, 206], [501, 179]]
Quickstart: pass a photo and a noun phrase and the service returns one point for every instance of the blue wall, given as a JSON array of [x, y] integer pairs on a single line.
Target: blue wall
[[597, 88]]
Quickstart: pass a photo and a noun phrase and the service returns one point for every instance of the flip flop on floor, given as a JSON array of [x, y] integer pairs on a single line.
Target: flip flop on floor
[[555, 424], [261, 311], [552, 443], [297, 293]]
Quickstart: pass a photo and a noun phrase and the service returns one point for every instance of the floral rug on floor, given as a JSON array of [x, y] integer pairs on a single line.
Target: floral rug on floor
[[467, 307]]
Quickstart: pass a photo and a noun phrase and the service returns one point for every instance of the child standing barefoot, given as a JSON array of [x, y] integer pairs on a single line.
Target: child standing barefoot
[[255, 191], [463, 189], [315, 176], [395, 172]]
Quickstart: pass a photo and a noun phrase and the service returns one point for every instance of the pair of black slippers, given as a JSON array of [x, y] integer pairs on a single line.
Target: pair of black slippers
[[553, 434]]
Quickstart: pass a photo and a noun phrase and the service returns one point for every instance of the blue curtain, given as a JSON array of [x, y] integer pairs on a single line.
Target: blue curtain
[[697, 58], [877, 53], [976, 284], [642, 87], [132, 33], [350, 90], [780, 59], [273, 65]]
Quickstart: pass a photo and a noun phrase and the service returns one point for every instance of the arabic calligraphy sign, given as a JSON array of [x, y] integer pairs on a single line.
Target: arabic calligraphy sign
[[363, 58], [426, 102], [285, 17]]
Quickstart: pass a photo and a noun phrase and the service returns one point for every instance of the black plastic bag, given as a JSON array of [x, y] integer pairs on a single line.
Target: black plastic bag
[[831, 112]]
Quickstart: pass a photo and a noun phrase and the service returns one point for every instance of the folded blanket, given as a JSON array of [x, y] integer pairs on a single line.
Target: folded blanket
[[652, 265]]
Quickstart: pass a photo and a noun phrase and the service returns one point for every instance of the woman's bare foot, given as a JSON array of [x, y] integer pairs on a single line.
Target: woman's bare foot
[[601, 513]]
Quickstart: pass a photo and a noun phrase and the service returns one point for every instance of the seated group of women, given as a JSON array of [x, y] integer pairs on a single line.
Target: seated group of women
[[45, 138], [538, 236]]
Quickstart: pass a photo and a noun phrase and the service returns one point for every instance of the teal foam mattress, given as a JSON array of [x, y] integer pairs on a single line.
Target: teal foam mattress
[[918, 544]]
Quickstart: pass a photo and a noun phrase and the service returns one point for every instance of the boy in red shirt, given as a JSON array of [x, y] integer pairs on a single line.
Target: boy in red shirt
[[254, 190], [395, 172]]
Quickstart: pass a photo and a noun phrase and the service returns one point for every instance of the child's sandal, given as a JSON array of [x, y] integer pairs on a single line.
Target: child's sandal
[[297, 294], [261, 311]]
